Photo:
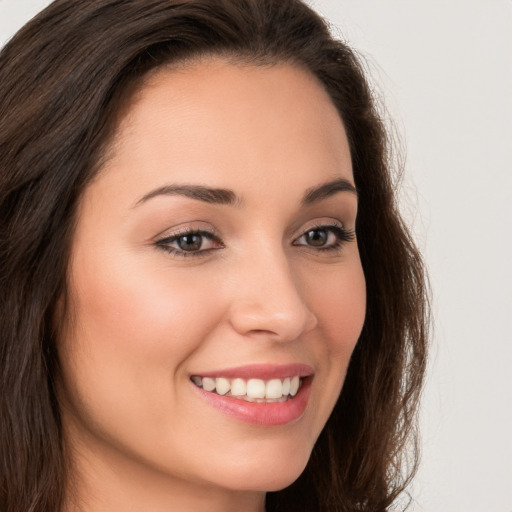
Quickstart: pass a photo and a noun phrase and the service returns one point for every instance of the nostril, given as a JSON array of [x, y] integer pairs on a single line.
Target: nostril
[[267, 299], [270, 321]]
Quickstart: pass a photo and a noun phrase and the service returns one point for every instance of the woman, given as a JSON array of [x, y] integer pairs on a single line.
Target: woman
[[209, 300]]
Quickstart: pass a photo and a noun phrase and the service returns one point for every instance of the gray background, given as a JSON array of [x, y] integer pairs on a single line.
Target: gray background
[[444, 68]]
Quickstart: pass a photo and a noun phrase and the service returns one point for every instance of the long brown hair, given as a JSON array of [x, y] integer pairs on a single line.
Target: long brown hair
[[63, 80]]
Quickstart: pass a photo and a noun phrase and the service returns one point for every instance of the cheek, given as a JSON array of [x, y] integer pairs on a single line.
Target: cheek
[[148, 309], [123, 359], [338, 298], [133, 329]]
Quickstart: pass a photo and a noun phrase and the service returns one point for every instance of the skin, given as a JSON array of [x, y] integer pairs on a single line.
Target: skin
[[144, 320]]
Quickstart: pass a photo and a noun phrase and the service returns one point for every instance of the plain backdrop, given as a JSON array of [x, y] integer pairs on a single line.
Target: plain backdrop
[[444, 68]]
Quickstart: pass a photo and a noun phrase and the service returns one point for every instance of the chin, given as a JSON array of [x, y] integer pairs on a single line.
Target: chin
[[268, 482], [278, 483], [268, 476]]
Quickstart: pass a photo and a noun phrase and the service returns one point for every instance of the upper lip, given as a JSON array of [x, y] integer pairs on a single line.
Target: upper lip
[[261, 371]]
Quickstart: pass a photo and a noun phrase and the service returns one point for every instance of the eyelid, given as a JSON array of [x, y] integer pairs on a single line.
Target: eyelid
[[320, 224], [186, 228], [343, 234], [170, 236]]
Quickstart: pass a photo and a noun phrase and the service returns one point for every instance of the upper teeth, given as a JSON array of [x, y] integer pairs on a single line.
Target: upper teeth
[[251, 389]]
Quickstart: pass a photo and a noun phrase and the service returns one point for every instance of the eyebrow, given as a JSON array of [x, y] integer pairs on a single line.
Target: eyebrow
[[326, 190], [199, 192], [228, 197]]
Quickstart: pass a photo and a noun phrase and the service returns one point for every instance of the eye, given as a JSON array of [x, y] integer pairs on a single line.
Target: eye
[[190, 243], [325, 237]]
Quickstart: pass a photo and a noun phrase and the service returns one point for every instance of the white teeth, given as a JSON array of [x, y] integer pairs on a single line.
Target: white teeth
[[252, 390], [208, 384], [222, 386], [238, 387], [274, 389], [294, 385], [286, 386], [255, 388]]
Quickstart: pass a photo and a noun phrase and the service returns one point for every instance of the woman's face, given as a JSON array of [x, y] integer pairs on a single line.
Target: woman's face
[[215, 247]]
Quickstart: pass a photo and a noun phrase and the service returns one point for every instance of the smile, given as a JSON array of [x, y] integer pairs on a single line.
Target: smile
[[265, 395], [251, 390]]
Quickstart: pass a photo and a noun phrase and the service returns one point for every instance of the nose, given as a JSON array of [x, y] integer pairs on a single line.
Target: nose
[[267, 299]]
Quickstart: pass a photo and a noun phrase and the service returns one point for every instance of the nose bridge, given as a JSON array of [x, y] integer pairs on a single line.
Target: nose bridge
[[267, 298]]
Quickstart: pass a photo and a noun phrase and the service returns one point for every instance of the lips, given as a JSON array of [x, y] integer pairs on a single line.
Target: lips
[[258, 394]]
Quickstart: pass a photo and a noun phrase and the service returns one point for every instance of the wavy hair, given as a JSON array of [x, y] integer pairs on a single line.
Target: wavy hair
[[64, 79]]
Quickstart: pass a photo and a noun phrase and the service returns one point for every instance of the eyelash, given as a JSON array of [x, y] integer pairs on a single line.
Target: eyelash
[[164, 243], [342, 234]]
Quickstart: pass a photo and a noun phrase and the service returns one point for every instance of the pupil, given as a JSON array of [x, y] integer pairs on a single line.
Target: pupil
[[190, 242], [316, 237]]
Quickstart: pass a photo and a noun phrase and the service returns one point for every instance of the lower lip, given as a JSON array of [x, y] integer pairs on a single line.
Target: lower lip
[[268, 414]]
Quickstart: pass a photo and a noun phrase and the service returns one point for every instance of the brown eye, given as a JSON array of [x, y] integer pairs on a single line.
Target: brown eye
[[316, 237], [324, 238], [191, 242]]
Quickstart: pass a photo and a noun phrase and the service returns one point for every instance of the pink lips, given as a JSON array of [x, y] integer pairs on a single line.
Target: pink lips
[[262, 371], [264, 414]]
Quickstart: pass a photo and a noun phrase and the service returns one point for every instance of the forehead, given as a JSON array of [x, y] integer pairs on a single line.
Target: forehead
[[237, 124]]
